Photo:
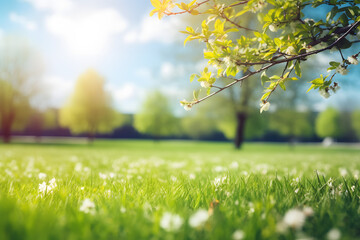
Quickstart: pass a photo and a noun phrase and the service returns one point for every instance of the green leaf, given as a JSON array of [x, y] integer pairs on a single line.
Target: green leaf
[[274, 77], [265, 95], [298, 69], [312, 86], [282, 85], [264, 78], [192, 77]]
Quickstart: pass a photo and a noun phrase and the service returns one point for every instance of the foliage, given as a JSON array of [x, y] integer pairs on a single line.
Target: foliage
[[134, 183], [355, 122], [13, 105], [255, 125], [327, 123], [291, 123], [156, 117], [20, 69], [89, 109], [285, 39]]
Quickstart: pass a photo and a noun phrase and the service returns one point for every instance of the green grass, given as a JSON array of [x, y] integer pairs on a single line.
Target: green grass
[[258, 186]]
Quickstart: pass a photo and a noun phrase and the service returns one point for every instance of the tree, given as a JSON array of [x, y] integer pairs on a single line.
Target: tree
[[284, 41], [20, 71], [327, 123], [292, 124], [155, 117], [355, 119], [204, 122], [89, 109]]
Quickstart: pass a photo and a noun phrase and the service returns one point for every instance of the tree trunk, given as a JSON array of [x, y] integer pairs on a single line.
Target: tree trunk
[[241, 118], [6, 124], [91, 138]]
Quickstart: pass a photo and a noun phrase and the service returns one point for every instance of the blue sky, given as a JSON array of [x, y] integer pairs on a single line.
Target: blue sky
[[134, 52]]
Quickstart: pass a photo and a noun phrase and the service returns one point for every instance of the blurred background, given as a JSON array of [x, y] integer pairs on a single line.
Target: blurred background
[[106, 69]]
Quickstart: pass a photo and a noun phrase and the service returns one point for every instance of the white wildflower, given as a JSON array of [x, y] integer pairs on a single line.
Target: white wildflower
[[333, 234], [88, 206], [102, 175], [353, 60], [219, 181], [308, 211], [171, 222], [42, 176], [47, 188], [272, 28], [330, 183], [352, 188], [294, 218], [264, 106], [324, 93], [236, 202], [234, 165], [342, 70], [297, 190], [192, 176], [238, 235], [205, 84], [173, 178], [123, 210], [78, 167], [343, 172], [42, 187], [219, 169], [199, 218]]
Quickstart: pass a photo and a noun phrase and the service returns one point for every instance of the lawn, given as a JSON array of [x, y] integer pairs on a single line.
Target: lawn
[[178, 190]]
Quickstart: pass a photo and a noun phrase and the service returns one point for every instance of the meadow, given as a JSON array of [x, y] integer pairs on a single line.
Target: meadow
[[178, 190]]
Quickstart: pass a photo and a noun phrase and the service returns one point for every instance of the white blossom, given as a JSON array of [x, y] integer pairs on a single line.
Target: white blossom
[[228, 62], [171, 222], [324, 93], [290, 51], [259, 6], [264, 106], [342, 70], [272, 28], [333, 234], [205, 84], [294, 218], [199, 218], [88, 206], [238, 235], [187, 106], [353, 60]]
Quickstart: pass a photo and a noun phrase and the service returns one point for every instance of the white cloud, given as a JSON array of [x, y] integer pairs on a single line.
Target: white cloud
[[58, 90], [23, 21], [152, 29], [127, 97], [169, 70], [86, 33], [52, 5]]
